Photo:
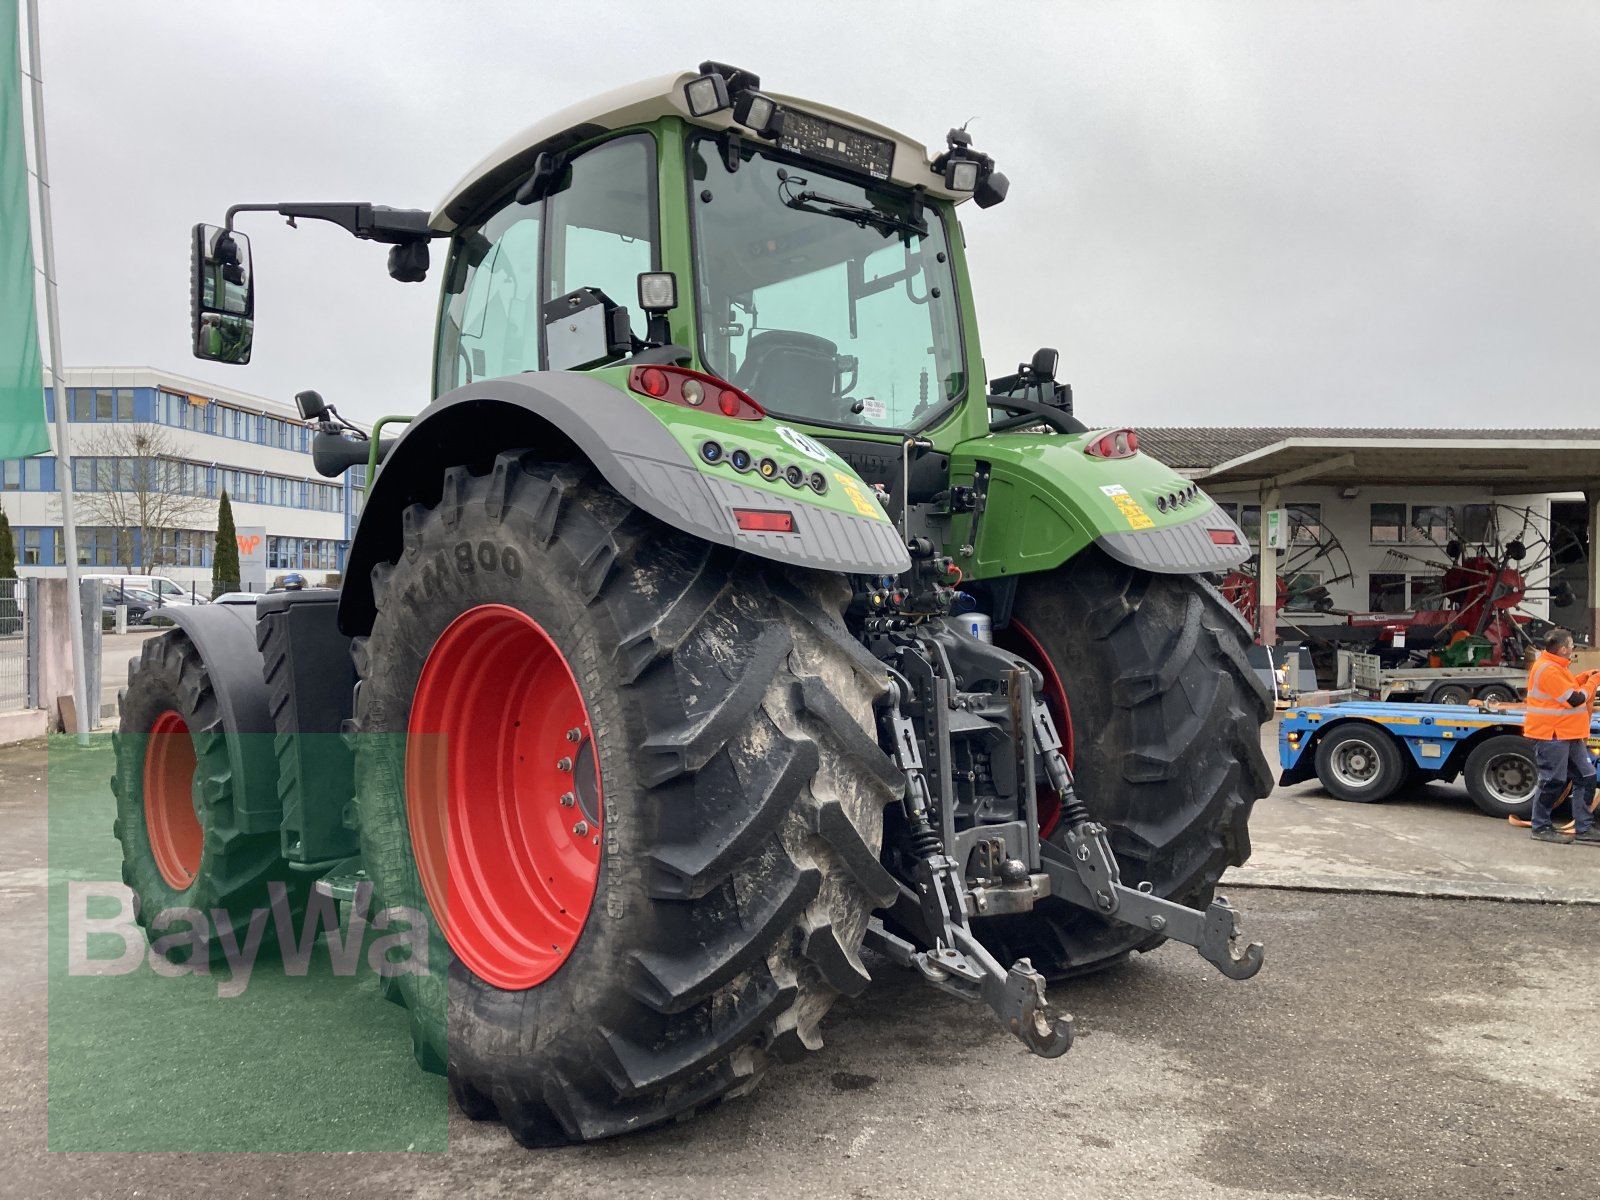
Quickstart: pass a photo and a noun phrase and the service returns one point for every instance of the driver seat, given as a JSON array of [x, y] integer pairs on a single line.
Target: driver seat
[[794, 373]]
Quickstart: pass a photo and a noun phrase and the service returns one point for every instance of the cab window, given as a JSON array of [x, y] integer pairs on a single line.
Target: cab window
[[598, 229]]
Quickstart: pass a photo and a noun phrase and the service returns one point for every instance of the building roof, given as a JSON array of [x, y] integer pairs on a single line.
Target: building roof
[[1204, 446], [1500, 460]]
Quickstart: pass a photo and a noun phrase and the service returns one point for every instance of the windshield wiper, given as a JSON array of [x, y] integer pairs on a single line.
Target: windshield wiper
[[861, 214]]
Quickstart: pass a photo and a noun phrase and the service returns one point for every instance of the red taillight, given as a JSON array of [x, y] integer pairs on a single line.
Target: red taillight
[[1224, 537], [691, 389], [761, 520], [1119, 443], [653, 382]]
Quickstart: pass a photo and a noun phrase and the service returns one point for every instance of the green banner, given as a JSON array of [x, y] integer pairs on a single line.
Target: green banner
[[22, 425]]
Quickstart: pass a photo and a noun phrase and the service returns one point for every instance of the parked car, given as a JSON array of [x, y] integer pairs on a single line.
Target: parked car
[[166, 591], [138, 610], [237, 598]]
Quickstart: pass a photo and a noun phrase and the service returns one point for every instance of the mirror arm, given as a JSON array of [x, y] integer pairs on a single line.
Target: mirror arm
[[370, 222]]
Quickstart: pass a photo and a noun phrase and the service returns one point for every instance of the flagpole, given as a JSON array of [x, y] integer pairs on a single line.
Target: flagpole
[[58, 386]]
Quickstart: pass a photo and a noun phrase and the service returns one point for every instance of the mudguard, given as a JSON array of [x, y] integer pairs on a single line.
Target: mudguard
[[1046, 500], [567, 415], [225, 636]]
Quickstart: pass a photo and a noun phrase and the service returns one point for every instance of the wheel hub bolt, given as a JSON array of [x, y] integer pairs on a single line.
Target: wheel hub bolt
[[568, 800], [574, 734], [581, 828], [564, 764]]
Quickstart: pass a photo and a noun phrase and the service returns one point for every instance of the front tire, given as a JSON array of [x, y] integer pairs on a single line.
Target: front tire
[[738, 791], [1165, 717]]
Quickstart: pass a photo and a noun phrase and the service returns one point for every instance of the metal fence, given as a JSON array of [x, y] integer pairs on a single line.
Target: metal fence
[[13, 646]]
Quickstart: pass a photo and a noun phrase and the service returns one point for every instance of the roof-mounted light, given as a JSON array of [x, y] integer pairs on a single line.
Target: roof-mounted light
[[757, 113], [961, 174], [706, 94], [967, 170]]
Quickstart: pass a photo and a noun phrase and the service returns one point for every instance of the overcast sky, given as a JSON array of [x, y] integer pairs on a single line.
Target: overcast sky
[[1220, 213]]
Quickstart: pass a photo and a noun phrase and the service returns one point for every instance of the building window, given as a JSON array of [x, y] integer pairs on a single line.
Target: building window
[[1386, 592], [1427, 591], [1388, 523], [1305, 523], [41, 547], [1304, 591], [1430, 523], [1477, 524]]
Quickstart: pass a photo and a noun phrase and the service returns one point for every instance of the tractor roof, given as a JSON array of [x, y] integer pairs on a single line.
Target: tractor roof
[[637, 104]]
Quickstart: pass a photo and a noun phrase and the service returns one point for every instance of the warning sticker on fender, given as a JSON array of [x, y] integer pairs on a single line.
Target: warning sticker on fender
[[1136, 517]]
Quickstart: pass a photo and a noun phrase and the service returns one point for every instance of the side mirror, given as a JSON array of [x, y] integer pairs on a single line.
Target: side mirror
[[222, 295], [311, 405], [1045, 361], [585, 329]]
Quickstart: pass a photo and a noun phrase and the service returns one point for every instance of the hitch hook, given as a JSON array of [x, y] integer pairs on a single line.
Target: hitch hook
[[1219, 945]]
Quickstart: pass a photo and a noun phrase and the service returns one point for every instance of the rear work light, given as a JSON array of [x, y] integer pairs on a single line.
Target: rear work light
[[762, 520], [691, 389], [1119, 443]]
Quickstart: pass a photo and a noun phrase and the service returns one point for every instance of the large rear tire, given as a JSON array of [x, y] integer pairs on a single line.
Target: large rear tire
[[182, 848], [723, 721], [1165, 714]]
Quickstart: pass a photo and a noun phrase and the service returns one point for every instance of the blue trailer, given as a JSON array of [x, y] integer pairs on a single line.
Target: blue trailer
[[1364, 750]]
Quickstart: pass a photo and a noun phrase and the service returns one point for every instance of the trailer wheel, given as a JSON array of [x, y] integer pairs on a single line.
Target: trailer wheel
[[1449, 693], [1501, 776], [632, 782], [181, 846], [1359, 762], [1497, 693], [1164, 717]]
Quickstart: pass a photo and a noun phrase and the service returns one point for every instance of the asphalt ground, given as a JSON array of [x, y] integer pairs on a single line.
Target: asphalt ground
[[1393, 1046]]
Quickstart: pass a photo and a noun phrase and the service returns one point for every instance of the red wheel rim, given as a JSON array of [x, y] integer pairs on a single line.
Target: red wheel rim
[[1018, 638], [176, 838], [503, 796]]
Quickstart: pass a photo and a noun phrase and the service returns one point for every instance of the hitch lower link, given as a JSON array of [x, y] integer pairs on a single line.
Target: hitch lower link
[[1084, 873]]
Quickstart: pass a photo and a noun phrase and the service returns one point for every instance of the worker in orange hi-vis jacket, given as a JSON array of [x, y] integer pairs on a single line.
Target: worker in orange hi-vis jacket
[[1558, 726]]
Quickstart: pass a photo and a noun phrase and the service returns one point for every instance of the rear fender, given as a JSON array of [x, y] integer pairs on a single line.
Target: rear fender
[[565, 416], [1047, 500], [225, 636]]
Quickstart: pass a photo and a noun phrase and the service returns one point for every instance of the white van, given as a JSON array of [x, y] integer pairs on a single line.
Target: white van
[[167, 590]]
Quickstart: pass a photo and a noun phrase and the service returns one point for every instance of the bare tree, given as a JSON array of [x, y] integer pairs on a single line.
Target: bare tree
[[133, 479]]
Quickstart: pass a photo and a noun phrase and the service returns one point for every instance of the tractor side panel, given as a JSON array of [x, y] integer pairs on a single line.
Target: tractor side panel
[[647, 452], [310, 679], [224, 634], [1047, 500]]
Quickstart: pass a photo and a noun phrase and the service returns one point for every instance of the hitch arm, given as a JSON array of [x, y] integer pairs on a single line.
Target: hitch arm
[[957, 963], [1085, 873]]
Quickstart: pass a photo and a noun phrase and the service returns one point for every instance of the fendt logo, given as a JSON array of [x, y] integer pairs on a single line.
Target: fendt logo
[[248, 545]]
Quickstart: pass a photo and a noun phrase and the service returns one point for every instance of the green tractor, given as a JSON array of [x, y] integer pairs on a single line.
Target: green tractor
[[714, 623]]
